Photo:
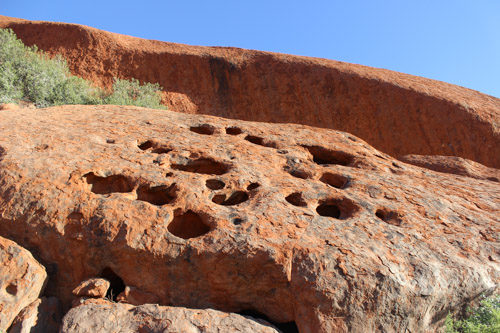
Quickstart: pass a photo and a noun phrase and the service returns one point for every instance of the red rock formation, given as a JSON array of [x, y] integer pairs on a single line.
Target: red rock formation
[[22, 279], [102, 316], [397, 113], [305, 226]]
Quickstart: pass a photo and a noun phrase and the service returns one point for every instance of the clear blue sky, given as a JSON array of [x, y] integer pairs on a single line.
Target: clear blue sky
[[457, 41]]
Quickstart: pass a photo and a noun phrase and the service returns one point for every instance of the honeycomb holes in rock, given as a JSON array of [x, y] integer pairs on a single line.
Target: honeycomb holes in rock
[[289, 327], [157, 195], [204, 129], [325, 156], [335, 180], [187, 225], [298, 173], [260, 141], [235, 198], [215, 184], [116, 283], [296, 199], [389, 216], [157, 149], [337, 208], [204, 166], [110, 184], [253, 186], [233, 130]]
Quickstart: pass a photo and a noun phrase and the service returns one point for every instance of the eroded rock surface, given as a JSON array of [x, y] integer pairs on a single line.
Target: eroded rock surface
[[21, 279], [102, 316], [397, 113], [92, 288], [305, 226], [44, 315], [454, 165]]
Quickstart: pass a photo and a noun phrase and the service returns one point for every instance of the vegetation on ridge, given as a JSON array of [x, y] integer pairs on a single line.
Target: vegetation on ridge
[[27, 74], [483, 319]]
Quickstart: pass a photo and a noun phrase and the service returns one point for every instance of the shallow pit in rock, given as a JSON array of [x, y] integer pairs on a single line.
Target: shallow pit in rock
[[233, 131], [207, 166], [337, 208], [204, 129], [296, 199], [235, 198], [335, 180], [260, 141], [389, 216], [215, 184], [109, 184], [187, 225], [325, 156], [157, 195]]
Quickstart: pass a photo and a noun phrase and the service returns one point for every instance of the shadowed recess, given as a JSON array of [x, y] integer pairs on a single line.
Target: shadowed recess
[[260, 141], [215, 184], [157, 195], [233, 130], [322, 156], [389, 216], [110, 184], [188, 225], [235, 199], [203, 165], [252, 186], [116, 283], [337, 208], [290, 327], [337, 181], [296, 199], [298, 173], [204, 129]]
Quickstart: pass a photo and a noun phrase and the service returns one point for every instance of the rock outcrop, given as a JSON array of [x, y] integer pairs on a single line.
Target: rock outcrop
[[44, 315], [396, 113], [304, 226], [21, 279], [103, 316], [453, 165]]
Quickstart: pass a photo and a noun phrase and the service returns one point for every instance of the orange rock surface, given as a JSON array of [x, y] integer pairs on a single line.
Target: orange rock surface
[[304, 226], [396, 113]]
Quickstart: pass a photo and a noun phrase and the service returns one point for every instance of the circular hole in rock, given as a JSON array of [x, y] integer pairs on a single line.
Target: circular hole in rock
[[296, 199], [389, 216], [12, 289], [253, 186], [325, 156], [146, 145], [204, 129], [188, 225], [236, 198], [337, 181], [298, 173], [233, 130], [260, 141], [337, 208], [238, 221], [215, 184], [203, 165]]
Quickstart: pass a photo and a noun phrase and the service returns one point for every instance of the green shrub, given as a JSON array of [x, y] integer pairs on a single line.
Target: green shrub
[[132, 93], [30, 75], [483, 319]]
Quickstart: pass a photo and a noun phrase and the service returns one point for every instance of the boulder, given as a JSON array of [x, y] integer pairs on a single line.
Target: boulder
[[42, 316], [92, 288], [304, 226], [396, 113], [135, 296], [22, 279], [103, 316]]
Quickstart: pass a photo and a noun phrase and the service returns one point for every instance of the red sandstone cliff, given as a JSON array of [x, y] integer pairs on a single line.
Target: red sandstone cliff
[[397, 113]]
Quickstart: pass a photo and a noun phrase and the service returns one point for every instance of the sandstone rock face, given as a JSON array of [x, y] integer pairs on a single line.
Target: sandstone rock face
[[42, 316], [397, 113], [306, 226], [21, 280], [92, 288], [136, 296], [116, 317], [454, 165]]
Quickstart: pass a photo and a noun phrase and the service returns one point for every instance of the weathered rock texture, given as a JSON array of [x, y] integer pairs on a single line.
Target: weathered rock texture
[[101, 316], [299, 224], [21, 279], [42, 316], [454, 165], [397, 113], [92, 288]]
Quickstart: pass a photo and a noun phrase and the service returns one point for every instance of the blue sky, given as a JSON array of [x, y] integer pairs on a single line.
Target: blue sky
[[456, 41]]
